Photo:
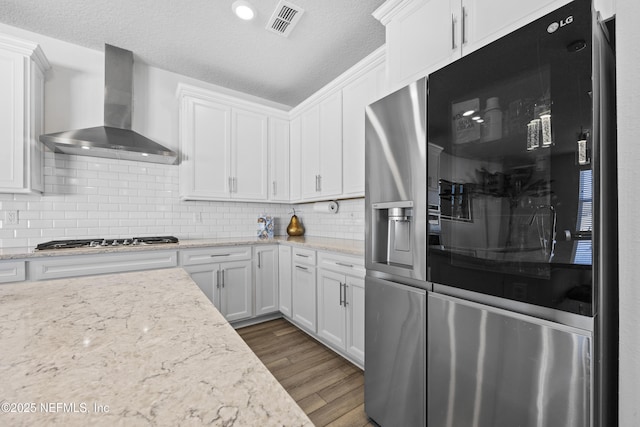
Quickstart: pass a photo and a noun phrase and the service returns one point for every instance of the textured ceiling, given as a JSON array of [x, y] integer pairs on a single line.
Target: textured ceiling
[[204, 40]]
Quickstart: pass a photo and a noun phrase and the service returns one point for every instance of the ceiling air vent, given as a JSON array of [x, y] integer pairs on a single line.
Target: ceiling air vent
[[284, 18]]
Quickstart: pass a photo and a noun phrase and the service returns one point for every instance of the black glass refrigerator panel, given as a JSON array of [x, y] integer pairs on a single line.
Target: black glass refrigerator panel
[[513, 205]]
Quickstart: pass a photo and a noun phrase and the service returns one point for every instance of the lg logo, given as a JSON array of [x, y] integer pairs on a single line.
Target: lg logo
[[552, 28]]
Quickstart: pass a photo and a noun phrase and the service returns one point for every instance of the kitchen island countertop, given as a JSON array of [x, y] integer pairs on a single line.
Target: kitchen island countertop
[[346, 246], [142, 348]]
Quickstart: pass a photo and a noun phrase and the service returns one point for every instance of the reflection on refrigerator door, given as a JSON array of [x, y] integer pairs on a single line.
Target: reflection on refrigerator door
[[395, 345], [493, 367]]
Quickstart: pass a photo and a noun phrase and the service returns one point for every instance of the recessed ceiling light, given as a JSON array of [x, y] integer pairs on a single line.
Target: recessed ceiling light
[[243, 10]]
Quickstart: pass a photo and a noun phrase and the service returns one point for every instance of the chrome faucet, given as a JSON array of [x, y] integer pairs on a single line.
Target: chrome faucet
[[546, 245]]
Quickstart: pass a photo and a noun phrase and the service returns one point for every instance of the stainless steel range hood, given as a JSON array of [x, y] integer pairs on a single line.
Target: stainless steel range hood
[[114, 140]]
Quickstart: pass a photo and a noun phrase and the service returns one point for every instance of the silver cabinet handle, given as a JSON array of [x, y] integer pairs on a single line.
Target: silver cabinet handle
[[274, 188], [344, 265], [464, 24], [259, 253], [345, 295], [340, 293], [453, 31], [222, 275], [319, 182], [230, 185], [316, 182], [302, 268], [303, 256], [216, 255], [218, 279], [235, 184]]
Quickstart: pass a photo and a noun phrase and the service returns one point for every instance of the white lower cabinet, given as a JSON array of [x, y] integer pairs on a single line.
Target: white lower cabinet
[[12, 271], [265, 262], [224, 275], [341, 304], [303, 289], [285, 280], [59, 267]]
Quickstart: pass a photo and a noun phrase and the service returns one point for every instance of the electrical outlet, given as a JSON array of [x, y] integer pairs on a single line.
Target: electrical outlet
[[11, 217]]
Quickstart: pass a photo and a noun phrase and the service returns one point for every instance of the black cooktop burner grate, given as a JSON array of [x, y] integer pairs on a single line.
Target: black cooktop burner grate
[[100, 243]]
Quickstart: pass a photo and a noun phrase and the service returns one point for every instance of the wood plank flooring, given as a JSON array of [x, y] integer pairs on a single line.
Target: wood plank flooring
[[327, 387]]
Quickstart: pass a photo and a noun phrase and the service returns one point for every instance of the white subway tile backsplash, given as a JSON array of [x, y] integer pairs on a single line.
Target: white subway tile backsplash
[[92, 197]]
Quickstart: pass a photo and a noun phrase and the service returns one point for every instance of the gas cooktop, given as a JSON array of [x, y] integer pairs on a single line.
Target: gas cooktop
[[101, 243]]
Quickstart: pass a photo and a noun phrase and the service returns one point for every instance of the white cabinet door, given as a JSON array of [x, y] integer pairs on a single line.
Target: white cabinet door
[[285, 280], [330, 172], [304, 296], [205, 169], [236, 295], [425, 35], [295, 159], [279, 159], [310, 152], [12, 271], [488, 20], [355, 317], [249, 155], [206, 277], [22, 67], [266, 283], [331, 309], [321, 139], [421, 37], [355, 98]]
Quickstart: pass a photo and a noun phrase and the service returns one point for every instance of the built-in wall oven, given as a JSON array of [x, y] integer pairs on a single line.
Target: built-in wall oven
[[522, 257]]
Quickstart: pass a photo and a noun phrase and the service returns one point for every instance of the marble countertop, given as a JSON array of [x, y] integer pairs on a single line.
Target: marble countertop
[[349, 247], [143, 348]]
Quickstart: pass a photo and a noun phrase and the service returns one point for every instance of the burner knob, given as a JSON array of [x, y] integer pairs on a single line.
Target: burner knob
[[104, 242], [94, 244], [115, 242], [126, 242], [136, 242]]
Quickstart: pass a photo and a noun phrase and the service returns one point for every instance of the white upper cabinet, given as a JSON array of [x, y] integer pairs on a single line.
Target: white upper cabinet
[[205, 138], [355, 98], [321, 152], [425, 35], [487, 20], [225, 148], [279, 160], [249, 155], [295, 158], [309, 152], [419, 37], [22, 68]]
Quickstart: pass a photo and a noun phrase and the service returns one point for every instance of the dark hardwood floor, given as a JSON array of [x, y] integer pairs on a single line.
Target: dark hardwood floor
[[327, 387]]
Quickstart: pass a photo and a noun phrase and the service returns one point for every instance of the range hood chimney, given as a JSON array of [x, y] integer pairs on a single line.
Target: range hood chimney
[[114, 140]]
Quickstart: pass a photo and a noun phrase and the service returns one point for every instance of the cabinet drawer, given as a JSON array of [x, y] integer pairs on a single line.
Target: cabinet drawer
[[347, 264], [12, 271], [304, 256], [86, 265], [214, 254]]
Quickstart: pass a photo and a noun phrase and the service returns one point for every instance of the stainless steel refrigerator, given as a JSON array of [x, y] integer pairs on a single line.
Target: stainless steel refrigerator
[[491, 235], [395, 257], [522, 317]]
